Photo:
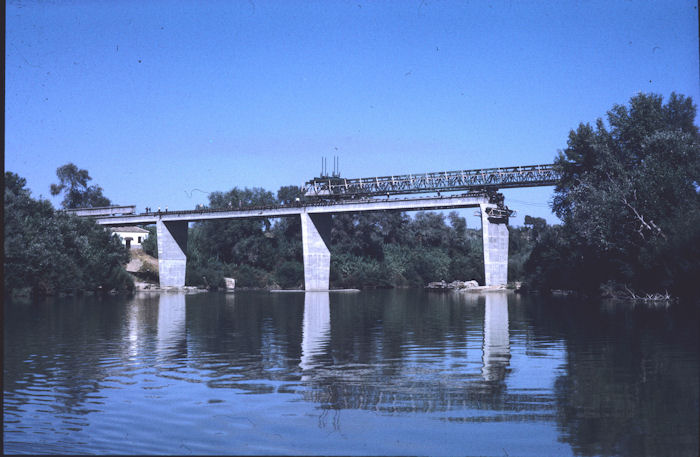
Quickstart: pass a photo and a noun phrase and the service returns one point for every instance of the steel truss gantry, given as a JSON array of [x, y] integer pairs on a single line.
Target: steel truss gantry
[[485, 179]]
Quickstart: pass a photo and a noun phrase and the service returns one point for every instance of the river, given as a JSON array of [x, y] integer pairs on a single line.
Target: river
[[377, 372]]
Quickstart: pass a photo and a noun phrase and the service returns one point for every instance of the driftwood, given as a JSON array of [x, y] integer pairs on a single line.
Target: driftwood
[[657, 297]]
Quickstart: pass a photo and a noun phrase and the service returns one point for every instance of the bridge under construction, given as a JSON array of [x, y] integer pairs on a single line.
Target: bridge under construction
[[330, 194]]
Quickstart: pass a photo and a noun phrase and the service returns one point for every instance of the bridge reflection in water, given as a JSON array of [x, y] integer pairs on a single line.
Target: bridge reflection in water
[[414, 382], [496, 348], [171, 340], [316, 331], [420, 377]]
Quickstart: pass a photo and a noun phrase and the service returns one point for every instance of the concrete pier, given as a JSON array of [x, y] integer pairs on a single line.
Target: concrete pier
[[495, 239], [172, 252], [315, 238]]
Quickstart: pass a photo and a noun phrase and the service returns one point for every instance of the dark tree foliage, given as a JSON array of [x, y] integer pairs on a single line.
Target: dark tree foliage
[[629, 200], [150, 244], [288, 195], [242, 249], [48, 252], [73, 182]]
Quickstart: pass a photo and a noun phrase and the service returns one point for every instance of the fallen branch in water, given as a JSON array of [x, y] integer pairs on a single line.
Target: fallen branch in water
[[649, 297]]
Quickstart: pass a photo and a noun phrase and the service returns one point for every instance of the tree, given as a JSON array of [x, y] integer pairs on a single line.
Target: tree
[[150, 244], [244, 249], [627, 187], [74, 183], [287, 195], [537, 225], [48, 252]]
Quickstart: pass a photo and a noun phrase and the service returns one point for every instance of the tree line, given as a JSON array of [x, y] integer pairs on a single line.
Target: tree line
[[628, 198]]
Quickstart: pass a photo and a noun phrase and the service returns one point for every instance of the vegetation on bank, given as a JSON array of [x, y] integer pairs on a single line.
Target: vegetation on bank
[[630, 204], [48, 252]]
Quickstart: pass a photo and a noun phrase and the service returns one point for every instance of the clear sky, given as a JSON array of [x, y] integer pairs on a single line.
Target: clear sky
[[165, 101]]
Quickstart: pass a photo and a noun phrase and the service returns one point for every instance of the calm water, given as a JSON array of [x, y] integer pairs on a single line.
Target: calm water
[[380, 372]]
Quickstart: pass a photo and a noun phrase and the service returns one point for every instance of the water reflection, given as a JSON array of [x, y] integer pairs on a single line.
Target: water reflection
[[393, 363], [616, 380], [171, 334], [316, 329], [496, 347]]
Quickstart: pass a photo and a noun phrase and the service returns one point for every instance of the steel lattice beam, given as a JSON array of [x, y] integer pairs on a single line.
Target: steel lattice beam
[[447, 181]]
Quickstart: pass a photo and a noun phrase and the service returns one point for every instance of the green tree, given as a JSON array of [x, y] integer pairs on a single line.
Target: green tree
[[287, 195], [244, 249], [150, 244], [73, 182], [48, 252], [628, 195]]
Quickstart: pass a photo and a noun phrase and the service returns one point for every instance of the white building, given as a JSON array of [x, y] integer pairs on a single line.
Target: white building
[[131, 237]]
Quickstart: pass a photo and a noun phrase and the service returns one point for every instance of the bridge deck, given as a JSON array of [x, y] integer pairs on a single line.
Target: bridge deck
[[406, 204]]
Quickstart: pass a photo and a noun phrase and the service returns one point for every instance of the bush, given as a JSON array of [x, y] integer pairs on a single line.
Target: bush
[[150, 244], [148, 272], [289, 274], [204, 273], [249, 276]]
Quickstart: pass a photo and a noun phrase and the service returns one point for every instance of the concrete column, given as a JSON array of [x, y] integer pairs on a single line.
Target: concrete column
[[172, 252], [495, 236], [315, 238]]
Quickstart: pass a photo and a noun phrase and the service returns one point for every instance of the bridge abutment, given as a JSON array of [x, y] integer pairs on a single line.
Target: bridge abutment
[[172, 252], [495, 236], [315, 238]]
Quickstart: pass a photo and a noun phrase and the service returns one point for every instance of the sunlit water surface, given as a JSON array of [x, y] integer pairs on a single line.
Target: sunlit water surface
[[377, 372]]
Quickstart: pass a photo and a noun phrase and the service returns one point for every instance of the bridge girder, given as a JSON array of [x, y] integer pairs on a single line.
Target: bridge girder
[[487, 180]]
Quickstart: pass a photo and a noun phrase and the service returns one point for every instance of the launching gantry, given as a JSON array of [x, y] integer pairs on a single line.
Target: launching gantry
[[479, 181]]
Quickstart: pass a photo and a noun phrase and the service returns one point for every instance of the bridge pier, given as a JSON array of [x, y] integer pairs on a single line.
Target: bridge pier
[[172, 252], [315, 238], [495, 236]]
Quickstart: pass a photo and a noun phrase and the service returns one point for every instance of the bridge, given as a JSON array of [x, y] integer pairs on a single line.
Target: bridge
[[328, 195]]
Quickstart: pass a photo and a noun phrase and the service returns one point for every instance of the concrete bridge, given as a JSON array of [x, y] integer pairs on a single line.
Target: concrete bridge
[[329, 195], [316, 232]]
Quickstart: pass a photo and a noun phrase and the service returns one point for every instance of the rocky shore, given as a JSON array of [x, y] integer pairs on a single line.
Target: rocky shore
[[461, 286]]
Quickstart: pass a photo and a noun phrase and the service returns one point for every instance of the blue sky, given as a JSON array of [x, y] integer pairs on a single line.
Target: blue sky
[[165, 101]]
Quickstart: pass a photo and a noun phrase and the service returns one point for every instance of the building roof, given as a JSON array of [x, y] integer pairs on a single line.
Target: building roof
[[129, 229]]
